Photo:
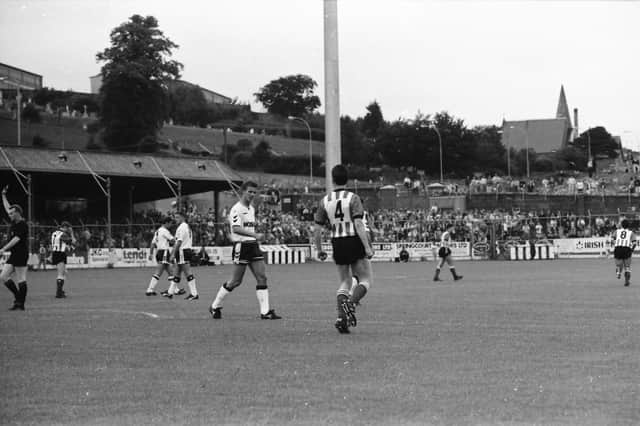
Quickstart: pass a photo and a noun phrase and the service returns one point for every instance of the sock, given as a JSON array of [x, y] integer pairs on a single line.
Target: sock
[[627, 276], [342, 297], [358, 292], [191, 282], [22, 292], [153, 282], [59, 284], [354, 283], [453, 272], [437, 275], [263, 299], [173, 287], [12, 287], [222, 293], [176, 285]]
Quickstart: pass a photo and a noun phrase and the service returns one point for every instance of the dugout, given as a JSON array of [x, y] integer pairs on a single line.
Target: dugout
[[104, 184]]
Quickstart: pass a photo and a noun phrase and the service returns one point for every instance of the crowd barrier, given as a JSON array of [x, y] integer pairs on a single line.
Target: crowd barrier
[[539, 252], [561, 248]]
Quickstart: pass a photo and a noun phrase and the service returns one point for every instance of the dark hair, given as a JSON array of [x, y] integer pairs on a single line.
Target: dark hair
[[17, 208], [339, 174], [180, 213], [624, 223], [166, 219], [65, 224], [247, 184]]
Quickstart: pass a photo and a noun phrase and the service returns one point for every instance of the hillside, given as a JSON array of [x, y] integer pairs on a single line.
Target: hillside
[[71, 135]]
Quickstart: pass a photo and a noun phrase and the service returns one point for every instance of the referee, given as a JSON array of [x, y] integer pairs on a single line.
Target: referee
[[16, 265]]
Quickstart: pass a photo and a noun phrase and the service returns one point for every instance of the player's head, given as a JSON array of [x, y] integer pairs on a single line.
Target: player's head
[[624, 224], [166, 221], [248, 191], [65, 226], [340, 175], [180, 217], [15, 212]]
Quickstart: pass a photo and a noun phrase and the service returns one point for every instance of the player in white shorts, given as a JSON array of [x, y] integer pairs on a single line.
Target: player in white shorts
[[246, 252], [181, 254], [161, 243], [61, 241]]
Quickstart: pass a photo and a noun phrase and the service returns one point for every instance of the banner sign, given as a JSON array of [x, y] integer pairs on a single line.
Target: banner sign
[[429, 250], [583, 247]]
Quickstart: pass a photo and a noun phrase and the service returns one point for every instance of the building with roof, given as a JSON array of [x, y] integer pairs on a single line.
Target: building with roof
[[26, 79], [209, 95], [542, 135]]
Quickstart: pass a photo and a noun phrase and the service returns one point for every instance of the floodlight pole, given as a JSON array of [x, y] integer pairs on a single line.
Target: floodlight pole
[[30, 212], [109, 239]]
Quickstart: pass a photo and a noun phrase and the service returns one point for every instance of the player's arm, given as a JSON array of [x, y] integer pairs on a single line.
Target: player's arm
[[236, 227], [240, 230], [357, 213], [5, 202], [15, 240], [321, 218]]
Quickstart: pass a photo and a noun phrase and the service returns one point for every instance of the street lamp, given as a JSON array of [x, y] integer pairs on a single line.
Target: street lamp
[[292, 118], [526, 141], [18, 101], [435, 128]]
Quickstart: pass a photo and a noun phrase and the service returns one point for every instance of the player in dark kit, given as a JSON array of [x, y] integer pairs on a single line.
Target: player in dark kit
[[16, 265]]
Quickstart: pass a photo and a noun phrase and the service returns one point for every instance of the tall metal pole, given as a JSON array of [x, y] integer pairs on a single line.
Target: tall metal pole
[[526, 140], [332, 89], [588, 146], [440, 143], [19, 101], [509, 154], [30, 212], [179, 198], [306, 123], [109, 239]]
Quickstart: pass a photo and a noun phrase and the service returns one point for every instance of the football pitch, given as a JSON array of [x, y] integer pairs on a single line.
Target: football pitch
[[538, 342]]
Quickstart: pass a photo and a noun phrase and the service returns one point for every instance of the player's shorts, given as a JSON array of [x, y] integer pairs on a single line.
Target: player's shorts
[[347, 250], [183, 256], [622, 253], [18, 260], [162, 257], [444, 252], [58, 257], [245, 252]]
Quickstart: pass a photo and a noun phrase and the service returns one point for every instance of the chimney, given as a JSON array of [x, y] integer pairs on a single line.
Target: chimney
[[576, 133]]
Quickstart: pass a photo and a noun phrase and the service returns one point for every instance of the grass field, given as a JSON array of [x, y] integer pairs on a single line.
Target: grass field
[[554, 342]]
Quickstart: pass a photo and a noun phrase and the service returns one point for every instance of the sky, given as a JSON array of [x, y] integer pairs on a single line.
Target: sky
[[481, 61]]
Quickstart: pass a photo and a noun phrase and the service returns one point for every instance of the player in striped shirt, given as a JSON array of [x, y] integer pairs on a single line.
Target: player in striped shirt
[[342, 212], [444, 253], [624, 242], [62, 240], [161, 243]]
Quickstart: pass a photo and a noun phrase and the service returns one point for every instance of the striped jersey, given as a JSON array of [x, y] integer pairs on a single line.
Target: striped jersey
[[340, 208], [245, 217], [183, 234], [624, 238], [59, 241], [445, 239], [162, 238]]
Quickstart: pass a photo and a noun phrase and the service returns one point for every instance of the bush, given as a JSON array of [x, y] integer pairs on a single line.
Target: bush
[[243, 160], [31, 114], [244, 145], [39, 141]]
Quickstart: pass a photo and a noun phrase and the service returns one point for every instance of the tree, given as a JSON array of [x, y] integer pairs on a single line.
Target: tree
[[133, 96], [602, 143], [289, 96], [373, 121], [187, 105]]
